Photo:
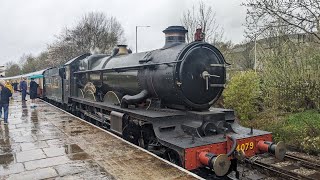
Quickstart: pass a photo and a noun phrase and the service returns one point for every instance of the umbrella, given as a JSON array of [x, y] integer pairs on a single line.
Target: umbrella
[[36, 76]]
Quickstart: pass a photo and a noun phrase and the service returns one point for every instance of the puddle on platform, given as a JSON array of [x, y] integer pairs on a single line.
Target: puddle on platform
[[99, 169], [50, 113], [4, 142], [34, 119], [65, 117], [34, 131], [69, 121], [76, 132], [79, 156], [4, 150], [24, 114], [74, 152], [6, 159], [72, 148], [34, 116]]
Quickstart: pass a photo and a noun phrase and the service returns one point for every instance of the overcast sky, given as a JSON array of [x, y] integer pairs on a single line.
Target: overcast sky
[[27, 26]]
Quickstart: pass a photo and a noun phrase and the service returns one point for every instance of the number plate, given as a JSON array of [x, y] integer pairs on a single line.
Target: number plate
[[245, 146]]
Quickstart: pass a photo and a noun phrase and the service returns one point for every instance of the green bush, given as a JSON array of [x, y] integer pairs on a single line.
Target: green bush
[[300, 130], [291, 79], [242, 94]]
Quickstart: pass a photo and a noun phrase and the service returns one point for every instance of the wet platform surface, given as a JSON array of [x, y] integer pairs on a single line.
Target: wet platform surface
[[47, 143]]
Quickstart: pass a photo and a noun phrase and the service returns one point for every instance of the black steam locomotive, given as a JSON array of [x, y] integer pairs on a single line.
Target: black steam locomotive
[[160, 100]]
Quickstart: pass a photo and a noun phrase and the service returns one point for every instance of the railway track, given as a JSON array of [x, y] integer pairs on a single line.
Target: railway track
[[304, 162], [293, 167]]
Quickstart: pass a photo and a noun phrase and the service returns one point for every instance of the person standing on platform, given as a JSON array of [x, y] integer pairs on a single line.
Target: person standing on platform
[[5, 95], [23, 89], [9, 86], [15, 86], [33, 92]]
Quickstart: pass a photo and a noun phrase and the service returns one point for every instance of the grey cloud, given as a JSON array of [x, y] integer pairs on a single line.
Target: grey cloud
[[28, 26]]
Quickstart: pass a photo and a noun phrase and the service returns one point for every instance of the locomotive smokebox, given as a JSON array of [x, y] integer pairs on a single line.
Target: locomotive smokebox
[[174, 35]]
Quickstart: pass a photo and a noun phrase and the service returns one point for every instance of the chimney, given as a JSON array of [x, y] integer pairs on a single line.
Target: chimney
[[175, 35], [122, 50]]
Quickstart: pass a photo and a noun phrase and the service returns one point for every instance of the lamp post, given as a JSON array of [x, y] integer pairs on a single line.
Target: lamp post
[[137, 36]]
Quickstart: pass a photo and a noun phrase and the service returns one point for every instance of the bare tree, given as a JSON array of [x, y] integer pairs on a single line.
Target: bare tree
[[43, 61], [12, 69], [299, 16], [61, 51], [28, 63], [94, 31], [202, 16]]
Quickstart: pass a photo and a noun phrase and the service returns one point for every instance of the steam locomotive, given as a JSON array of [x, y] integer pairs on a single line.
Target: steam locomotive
[[161, 100]]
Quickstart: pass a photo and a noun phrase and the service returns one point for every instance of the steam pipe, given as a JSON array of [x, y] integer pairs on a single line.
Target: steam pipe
[[125, 68], [127, 99], [234, 145]]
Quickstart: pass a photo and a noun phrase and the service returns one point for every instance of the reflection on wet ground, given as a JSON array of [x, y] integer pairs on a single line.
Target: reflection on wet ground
[[6, 158], [72, 148], [46, 143]]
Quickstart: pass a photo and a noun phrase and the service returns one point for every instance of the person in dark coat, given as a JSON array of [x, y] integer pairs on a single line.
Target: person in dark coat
[[33, 92], [15, 86], [23, 89], [5, 95]]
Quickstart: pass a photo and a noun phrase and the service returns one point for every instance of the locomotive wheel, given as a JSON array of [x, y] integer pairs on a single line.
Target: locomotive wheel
[[172, 156], [111, 97], [90, 87], [81, 92], [89, 95]]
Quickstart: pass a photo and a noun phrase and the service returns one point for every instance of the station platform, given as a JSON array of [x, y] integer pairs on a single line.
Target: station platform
[[48, 143]]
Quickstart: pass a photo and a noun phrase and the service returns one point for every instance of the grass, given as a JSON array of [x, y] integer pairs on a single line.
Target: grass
[[298, 130]]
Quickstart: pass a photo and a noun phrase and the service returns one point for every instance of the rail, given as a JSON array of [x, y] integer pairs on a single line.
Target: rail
[[289, 173], [304, 162]]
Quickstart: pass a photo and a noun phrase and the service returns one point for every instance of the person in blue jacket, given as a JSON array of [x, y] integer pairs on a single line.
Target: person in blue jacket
[[23, 89], [5, 95]]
